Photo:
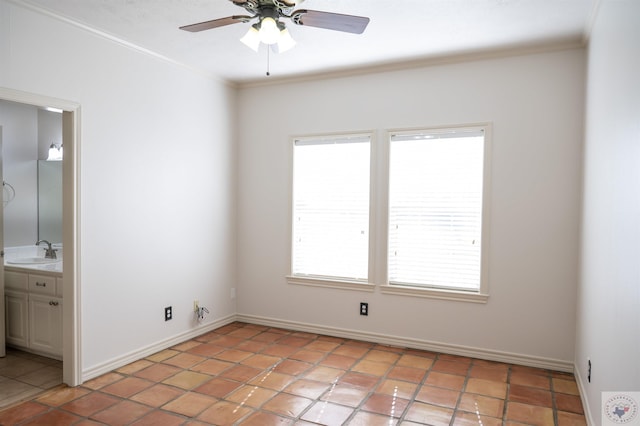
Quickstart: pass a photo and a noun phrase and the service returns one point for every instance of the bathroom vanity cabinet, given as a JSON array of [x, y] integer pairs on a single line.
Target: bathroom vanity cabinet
[[33, 309]]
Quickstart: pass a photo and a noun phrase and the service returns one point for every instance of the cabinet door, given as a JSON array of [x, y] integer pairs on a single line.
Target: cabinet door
[[45, 324], [16, 319]]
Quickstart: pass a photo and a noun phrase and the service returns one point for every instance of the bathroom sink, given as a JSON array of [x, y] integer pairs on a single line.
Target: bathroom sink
[[31, 260]]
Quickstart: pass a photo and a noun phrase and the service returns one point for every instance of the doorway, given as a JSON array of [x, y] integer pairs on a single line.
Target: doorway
[[70, 201]]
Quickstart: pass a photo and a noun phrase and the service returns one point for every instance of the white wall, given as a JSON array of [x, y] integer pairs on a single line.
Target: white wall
[[157, 167], [535, 103], [608, 329], [20, 169]]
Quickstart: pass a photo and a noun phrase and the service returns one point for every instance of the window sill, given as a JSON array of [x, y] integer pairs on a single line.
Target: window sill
[[331, 283], [433, 293]]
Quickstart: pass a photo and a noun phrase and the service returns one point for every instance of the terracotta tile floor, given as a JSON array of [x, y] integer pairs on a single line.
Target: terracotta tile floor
[[255, 375]]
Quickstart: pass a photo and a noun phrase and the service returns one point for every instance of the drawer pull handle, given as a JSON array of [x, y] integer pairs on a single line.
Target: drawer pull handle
[[53, 303], [41, 284]]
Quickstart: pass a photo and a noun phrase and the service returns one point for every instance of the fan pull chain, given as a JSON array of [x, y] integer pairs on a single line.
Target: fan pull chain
[[268, 50]]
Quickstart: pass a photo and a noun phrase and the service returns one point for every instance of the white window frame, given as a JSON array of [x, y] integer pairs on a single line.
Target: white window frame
[[436, 292], [379, 222], [329, 281]]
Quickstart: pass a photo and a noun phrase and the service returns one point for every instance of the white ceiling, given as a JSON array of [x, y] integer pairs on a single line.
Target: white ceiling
[[399, 31]]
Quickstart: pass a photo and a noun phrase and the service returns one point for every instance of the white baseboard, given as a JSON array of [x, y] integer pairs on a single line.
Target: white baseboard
[[473, 352], [130, 357], [585, 403]]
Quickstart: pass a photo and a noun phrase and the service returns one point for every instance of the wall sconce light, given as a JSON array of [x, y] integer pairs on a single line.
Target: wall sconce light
[[55, 153]]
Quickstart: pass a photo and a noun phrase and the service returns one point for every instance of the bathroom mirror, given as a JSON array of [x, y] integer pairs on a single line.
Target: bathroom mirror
[[50, 201]]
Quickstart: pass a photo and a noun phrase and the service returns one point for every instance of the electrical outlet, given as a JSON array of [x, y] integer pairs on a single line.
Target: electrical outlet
[[589, 371], [364, 308], [168, 313], [196, 306]]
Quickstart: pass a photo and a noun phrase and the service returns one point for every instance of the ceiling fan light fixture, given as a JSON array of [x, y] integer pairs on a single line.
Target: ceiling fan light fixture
[[252, 38], [269, 31], [285, 41]]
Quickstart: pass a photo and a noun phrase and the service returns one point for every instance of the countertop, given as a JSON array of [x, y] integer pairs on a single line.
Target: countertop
[[31, 251]]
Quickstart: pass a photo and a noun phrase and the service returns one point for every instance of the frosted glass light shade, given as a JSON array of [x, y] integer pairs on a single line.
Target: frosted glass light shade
[[285, 42], [251, 39], [269, 32], [55, 153]]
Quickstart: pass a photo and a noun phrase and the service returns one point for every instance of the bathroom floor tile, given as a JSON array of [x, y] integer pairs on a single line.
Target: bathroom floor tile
[[255, 375]]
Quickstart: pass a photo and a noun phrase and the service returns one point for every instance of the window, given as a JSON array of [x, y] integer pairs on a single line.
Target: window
[[408, 214], [331, 207], [436, 209]]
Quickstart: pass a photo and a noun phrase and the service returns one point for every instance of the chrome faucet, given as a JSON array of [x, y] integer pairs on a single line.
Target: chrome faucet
[[49, 253]]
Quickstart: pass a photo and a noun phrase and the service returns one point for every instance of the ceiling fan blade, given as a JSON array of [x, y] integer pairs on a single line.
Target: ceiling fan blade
[[330, 21], [207, 25]]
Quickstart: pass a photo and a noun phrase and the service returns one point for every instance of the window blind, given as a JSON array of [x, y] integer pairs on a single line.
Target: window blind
[[331, 207], [435, 208]]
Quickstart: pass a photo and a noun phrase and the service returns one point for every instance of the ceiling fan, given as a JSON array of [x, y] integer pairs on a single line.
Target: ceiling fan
[[270, 30]]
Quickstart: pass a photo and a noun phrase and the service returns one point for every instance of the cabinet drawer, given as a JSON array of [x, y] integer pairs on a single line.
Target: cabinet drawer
[[15, 280], [42, 284]]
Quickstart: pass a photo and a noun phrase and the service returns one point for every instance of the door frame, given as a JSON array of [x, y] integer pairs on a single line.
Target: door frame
[[71, 312], [3, 342]]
